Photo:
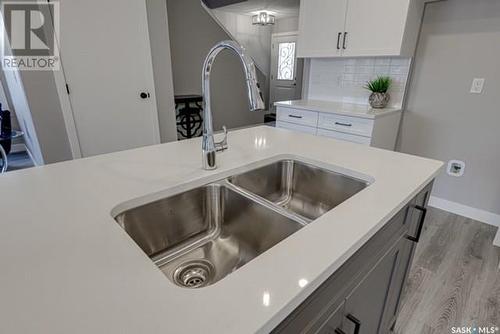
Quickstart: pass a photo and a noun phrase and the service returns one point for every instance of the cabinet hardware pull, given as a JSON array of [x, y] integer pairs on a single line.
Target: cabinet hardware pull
[[356, 322], [339, 331], [338, 40], [343, 124], [344, 43], [294, 116], [416, 238]]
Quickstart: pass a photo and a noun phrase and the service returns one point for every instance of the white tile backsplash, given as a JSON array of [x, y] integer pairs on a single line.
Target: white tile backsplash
[[342, 79]]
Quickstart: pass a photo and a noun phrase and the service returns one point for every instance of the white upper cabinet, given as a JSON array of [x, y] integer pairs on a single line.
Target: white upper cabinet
[[358, 28], [375, 27], [321, 27]]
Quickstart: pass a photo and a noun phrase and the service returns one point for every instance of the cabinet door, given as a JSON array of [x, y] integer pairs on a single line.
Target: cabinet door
[[321, 27], [415, 219], [405, 250], [416, 214], [375, 27], [365, 305], [334, 322]]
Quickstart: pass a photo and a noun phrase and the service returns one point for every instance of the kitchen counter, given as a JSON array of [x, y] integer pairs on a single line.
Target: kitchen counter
[[67, 267], [347, 109]]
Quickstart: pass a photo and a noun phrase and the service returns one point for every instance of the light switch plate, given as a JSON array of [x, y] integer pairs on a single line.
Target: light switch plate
[[477, 86]]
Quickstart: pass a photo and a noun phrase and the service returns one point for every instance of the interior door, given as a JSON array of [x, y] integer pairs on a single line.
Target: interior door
[[375, 27], [286, 69], [321, 26], [106, 57]]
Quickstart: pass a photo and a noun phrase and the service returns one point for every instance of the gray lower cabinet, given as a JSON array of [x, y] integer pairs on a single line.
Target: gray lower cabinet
[[334, 322], [364, 295], [365, 306], [402, 254]]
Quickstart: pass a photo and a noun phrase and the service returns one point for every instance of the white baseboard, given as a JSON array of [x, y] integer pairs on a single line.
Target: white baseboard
[[483, 216], [469, 212], [496, 241]]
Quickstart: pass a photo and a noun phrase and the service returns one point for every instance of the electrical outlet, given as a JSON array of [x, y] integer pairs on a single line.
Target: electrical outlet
[[477, 86], [456, 168]]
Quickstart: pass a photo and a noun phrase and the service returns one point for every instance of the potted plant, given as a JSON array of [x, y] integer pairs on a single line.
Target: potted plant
[[379, 98]]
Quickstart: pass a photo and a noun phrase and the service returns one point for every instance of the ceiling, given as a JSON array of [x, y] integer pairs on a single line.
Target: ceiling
[[280, 8]]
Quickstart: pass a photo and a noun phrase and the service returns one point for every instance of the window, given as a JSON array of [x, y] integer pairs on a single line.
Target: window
[[286, 61]]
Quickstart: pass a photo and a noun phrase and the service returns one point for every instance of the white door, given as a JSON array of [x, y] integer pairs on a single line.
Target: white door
[[321, 26], [286, 69], [106, 57], [375, 27]]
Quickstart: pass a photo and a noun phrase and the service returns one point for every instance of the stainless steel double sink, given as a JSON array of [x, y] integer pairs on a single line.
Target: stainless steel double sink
[[202, 235]]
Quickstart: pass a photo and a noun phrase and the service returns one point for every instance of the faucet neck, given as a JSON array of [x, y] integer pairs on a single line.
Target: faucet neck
[[254, 96]]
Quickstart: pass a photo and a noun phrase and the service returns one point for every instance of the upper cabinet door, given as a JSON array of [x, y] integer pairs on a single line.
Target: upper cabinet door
[[375, 27], [321, 27]]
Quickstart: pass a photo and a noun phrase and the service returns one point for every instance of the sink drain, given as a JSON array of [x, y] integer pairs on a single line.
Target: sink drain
[[194, 274]]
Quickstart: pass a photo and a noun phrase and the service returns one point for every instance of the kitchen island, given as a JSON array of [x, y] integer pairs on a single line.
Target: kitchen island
[[68, 267]]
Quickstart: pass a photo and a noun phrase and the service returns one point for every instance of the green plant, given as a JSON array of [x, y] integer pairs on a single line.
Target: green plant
[[379, 85]]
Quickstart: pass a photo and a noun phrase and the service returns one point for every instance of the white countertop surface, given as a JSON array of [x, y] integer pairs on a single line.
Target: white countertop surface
[[67, 267], [347, 109]]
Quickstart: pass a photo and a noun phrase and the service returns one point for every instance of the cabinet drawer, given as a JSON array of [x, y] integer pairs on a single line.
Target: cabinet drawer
[[352, 125], [298, 116], [296, 127], [345, 136]]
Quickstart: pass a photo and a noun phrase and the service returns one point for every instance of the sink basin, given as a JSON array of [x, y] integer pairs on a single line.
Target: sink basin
[[304, 189], [200, 236]]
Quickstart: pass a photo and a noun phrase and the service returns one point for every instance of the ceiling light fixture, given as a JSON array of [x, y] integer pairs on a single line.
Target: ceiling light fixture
[[263, 19]]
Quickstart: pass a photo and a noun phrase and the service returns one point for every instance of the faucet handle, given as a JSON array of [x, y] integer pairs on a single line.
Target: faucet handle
[[222, 145]]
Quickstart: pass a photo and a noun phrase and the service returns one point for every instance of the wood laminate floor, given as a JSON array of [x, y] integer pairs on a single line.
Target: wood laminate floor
[[454, 280]]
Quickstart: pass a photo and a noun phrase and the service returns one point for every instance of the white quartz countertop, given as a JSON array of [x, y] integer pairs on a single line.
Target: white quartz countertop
[[67, 267], [347, 109]]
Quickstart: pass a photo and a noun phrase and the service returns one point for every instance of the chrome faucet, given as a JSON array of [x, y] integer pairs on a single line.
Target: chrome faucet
[[209, 146]]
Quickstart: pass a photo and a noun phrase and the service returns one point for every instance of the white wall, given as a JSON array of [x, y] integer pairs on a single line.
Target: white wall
[[286, 24], [6, 105], [18, 143], [342, 79], [46, 113], [36, 103], [256, 39], [21, 107], [3, 100], [193, 32], [459, 41]]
